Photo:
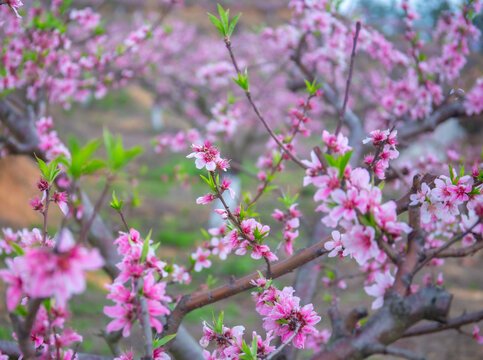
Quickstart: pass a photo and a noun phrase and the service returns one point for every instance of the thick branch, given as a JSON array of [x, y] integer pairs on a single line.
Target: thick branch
[[403, 202], [23, 329], [408, 130], [389, 324], [461, 252], [191, 302], [394, 351], [415, 247], [455, 323], [100, 236]]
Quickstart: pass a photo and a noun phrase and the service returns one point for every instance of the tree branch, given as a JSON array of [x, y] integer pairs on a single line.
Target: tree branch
[[191, 302], [409, 130], [285, 343], [23, 329], [349, 78], [352, 121], [442, 248], [415, 247], [454, 323], [389, 323], [394, 351], [258, 113]]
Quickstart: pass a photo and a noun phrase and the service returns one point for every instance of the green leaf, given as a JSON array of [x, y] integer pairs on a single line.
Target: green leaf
[[205, 234], [269, 189], [132, 153], [93, 166], [330, 274], [233, 23], [254, 347], [217, 24], [210, 182], [160, 342], [115, 203], [16, 247], [246, 349], [20, 310], [242, 80], [80, 162], [44, 169], [287, 200], [312, 87], [117, 157], [145, 250], [451, 173], [223, 17], [47, 304], [343, 161], [219, 324], [330, 160], [64, 6], [120, 49]]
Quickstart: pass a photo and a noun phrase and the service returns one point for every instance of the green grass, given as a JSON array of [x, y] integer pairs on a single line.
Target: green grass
[[113, 100], [170, 234], [231, 311], [239, 265]]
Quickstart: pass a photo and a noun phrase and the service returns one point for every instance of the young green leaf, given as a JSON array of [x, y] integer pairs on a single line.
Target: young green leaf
[[254, 347], [233, 23], [312, 87], [242, 80], [145, 249], [44, 169], [219, 324], [117, 157], [160, 342], [217, 23], [223, 17], [115, 203], [343, 161]]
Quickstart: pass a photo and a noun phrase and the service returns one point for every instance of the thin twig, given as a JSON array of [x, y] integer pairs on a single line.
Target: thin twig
[[145, 324], [275, 166], [277, 351], [97, 207], [444, 247], [126, 226], [349, 78], [45, 213], [258, 113]]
